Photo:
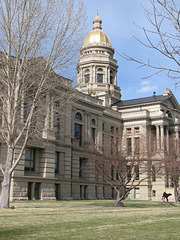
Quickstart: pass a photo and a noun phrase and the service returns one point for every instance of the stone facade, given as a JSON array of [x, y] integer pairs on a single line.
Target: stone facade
[[51, 170]]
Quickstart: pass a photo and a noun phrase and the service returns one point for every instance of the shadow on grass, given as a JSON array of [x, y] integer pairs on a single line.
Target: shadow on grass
[[134, 204]]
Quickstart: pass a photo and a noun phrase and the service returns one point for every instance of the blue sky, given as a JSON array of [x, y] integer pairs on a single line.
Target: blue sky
[[119, 20]]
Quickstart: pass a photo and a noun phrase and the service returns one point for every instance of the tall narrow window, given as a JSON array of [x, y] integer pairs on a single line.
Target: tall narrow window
[[87, 76], [78, 133], [56, 162], [129, 147], [112, 129], [82, 167], [136, 193], [137, 172], [128, 173], [78, 128], [112, 172], [111, 77], [137, 145], [93, 134], [57, 125], [29, 159], [112, 144], [100, 75], [100, 78]]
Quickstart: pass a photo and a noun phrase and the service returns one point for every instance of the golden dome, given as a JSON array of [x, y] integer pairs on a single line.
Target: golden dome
[[97, 36]]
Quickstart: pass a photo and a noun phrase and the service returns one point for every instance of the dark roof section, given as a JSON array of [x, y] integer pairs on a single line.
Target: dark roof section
[[154, 98]]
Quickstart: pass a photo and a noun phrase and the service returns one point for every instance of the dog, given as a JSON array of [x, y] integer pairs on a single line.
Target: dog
[[165, 196]]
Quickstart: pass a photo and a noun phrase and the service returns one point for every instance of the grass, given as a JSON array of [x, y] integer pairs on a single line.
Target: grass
[[89, 220]]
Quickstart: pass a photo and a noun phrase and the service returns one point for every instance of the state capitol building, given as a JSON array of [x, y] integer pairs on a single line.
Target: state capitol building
[[53, 171]]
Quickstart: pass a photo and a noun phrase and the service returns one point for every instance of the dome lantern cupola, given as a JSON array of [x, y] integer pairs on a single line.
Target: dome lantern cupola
[[97, 36], [97, 66], [97, 22]]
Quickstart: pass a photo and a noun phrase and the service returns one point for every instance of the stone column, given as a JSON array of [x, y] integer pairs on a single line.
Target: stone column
[[94, 74], [167, 137], [85, 127], [177, 138], [162, 137], [108, 75], [157, 137], [91, 74], [68, 124], [88, 127], [99, 131]]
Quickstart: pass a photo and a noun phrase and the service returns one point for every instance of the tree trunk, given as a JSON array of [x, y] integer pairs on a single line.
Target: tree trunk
[[119, 198], [5, 191], [177, 192]]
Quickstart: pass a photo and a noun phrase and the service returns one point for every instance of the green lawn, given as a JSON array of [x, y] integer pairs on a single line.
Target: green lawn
[[97, 219]]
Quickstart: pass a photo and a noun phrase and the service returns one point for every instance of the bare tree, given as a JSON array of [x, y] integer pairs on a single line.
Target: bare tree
[[171, 163], [163, 36], [122, 168], [39, 39]]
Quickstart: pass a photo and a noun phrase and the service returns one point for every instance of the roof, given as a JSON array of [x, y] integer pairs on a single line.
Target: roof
[[154, 98]]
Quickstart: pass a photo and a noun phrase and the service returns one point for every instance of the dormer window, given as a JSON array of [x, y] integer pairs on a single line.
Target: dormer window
[[100, 75], [87, 76]]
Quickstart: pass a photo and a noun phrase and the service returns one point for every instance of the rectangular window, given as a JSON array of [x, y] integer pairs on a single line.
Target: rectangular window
[[57, 125], [78, 133], [137, 172], [103, 142], [128, 131], [112, 129], [128, 173], [136, 130], [56, 168], [29, 159], [112, 144], [112, 172], [100, 78], [37, 191], [80, 167], [57, 191], [93, 134], [136, 193], [129, 195], [137, 145], [87, 77], [129, 147]]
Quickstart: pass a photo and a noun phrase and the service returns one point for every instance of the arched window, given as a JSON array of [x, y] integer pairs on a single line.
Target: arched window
[[78, 128], [78, 116], [100, 75], [87, 76], [93, 121]]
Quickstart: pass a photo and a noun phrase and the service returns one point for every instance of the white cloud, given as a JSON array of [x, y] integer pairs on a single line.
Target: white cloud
[[145, 82], [147, 88]]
